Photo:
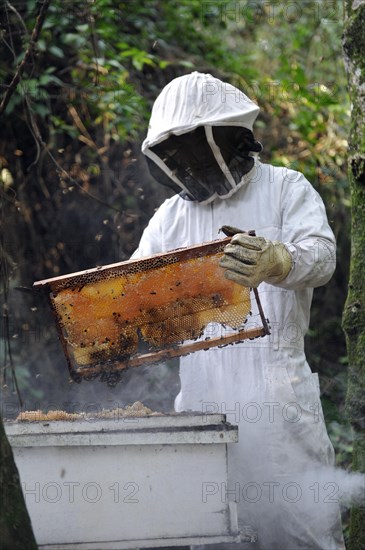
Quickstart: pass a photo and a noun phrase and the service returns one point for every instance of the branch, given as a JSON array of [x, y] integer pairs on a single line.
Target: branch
[[20, 69]]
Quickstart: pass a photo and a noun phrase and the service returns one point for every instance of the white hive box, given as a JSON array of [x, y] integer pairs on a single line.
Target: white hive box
[[126, 483]]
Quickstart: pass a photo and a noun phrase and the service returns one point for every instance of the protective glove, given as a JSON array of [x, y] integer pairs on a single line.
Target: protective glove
[[251, 260]]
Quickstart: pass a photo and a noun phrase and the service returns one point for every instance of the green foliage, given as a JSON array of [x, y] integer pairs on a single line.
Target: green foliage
[[110, 42]]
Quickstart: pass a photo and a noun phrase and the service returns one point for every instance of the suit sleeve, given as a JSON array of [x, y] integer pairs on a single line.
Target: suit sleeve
[[307, 235]]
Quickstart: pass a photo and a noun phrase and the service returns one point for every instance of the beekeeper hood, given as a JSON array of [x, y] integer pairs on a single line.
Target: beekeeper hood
[[200, 141]]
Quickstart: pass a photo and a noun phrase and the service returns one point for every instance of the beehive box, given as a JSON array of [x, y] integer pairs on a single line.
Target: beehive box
[[126, 482]]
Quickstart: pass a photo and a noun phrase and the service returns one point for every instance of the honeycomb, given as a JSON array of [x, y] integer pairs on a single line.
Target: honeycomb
[[137, 409], [107, 315]]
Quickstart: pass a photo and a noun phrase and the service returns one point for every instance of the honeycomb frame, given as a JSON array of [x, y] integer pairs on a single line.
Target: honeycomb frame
[[143, 311]]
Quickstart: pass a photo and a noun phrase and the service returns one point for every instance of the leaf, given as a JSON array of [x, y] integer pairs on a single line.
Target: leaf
[[186, 63], [56, 51], [83, 28], [163, 64], [49, 78], [40, 109], [73, 39]]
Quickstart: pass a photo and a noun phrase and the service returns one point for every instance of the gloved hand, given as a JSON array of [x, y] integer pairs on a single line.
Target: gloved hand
[[251, 260]]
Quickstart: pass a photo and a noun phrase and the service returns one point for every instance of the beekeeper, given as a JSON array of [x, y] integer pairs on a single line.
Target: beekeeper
[[200, 144]]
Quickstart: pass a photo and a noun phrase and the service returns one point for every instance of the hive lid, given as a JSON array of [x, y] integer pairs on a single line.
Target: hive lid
[[175, 428]]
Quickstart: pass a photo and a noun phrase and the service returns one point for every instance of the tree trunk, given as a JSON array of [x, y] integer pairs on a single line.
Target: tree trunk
[[15, 526], [354, 312]]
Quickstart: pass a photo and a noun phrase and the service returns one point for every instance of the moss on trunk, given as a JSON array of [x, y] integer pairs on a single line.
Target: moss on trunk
[[354, 312], [15, 526]]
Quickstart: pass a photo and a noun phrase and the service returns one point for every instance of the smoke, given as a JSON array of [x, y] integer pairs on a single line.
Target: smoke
[[350, 486], [281, 472], [284, 488]]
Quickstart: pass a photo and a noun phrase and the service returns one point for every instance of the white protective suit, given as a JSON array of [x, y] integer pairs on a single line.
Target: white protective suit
[[278, 472]]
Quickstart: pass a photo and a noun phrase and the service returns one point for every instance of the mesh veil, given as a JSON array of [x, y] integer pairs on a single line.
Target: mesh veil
[[203, 168]]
